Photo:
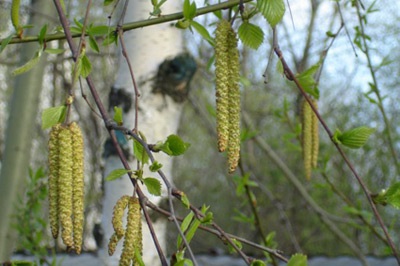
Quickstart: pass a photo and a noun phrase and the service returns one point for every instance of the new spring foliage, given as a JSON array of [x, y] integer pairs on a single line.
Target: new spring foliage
[[66, 184], [227, 92]]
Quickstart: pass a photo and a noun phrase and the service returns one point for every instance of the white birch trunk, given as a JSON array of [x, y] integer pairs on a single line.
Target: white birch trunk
[[158, 115]]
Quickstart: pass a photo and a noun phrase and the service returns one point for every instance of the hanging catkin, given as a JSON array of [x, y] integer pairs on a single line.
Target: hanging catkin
[[133, 234], [54, 164], [78, 184], [66, 184], [310, 137], [227, 92]]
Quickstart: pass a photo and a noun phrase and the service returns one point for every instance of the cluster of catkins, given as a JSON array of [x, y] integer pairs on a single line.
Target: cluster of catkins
[[227, 92], [310, 137], [66, 184], [133, 232]]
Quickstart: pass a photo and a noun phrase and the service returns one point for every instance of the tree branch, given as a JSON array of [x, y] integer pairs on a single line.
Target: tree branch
[[134, 25]]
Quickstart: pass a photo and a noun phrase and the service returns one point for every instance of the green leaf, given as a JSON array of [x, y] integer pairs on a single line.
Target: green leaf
[[153, 185], [116, 173], [86, 67], [184, 226], [298, 260], [53, 115], [54, 51], [307, 81], [185, 200], [75, 29], [118, 115], [251, 35], [354, 138], [30, 64], [139, 152], [392, 195], [202, 31], [93, 44], [237, 244], [189, 10], [272, 10], [174, 146], [112, 37], [155, 166], [5, 42], [42, 34], [108, 2], [257, 263], [99, 30]]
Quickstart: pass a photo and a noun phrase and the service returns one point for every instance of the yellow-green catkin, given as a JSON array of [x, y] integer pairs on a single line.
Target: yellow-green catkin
[[15, 5], [133, 234], [78, 189], [112, 244], [65, 185], [222, 83], [118, 215], [307, 138], [234, 102], [54, 164], [315, 137]]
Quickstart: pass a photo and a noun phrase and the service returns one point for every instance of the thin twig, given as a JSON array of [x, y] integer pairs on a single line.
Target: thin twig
[[274, 252]]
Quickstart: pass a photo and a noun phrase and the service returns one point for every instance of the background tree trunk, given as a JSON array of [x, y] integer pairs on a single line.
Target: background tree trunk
[[158, 115], [20, 127]]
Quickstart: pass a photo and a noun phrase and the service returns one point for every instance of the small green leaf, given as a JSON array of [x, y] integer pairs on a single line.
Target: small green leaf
[[251, 35], [307, 81], [99, 30], [298, 260], [54, 51], [42, 34], [354, 138], [108, 2], [153, 185], [5, 42], [202, 31], [53, 115], [184, 226], [118, 115], [75, 30], [28, 65], [393, 195], [237, 244], [189, 10], [86, 67], [93, 44], [173, 146], [257, 263], [116, 173], [272, 10], [155, 166], [112, 37], [185, 200], [140, 152]]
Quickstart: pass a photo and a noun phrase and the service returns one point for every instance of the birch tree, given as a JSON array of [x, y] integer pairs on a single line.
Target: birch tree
[[158, 114]]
